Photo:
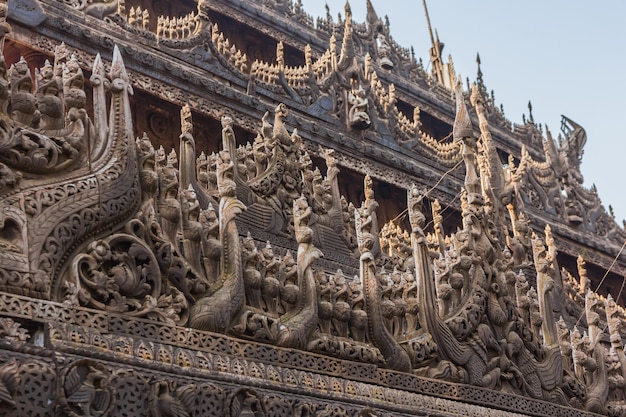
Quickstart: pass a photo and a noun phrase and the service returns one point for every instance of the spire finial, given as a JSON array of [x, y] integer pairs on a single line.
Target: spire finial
[[435, 49]]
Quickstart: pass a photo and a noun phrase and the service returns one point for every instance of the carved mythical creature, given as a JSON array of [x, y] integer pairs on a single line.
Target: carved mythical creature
[[395, 356], [296, 326], [86, 390], [216, 309], [187, 163], [165, 403]]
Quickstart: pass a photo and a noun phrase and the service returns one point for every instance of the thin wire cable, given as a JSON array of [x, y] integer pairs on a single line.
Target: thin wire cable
[[403, 212], [611, 266], [604, 277], [623, 278]]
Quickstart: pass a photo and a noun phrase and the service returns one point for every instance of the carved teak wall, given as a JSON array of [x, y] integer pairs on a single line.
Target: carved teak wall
[[221, 209]]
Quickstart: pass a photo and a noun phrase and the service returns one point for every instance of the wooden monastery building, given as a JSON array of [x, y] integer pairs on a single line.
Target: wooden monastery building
[[230, 208]]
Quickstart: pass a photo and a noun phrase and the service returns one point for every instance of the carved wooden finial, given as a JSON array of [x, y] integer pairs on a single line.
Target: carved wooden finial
[[414, 207], [582, 274], [462, 123], [118, 69], [186, 123]]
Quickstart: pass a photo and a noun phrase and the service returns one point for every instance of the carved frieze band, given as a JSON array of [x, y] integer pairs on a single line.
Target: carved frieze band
[[194, 353]]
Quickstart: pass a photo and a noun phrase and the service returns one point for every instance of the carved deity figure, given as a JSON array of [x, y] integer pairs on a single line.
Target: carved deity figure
[[270, 286], [289, 290], [211, 245], [358, 116], [384, 51], [358, 316], [341, 308], [169, 205], [324, 304], [23, 101], [73, 82], [192, 228], [520, 242], [49, 98], [251, 273]]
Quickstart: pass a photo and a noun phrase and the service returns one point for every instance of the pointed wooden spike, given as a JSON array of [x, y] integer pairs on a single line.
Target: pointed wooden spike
[[118, 69], [462, 123]]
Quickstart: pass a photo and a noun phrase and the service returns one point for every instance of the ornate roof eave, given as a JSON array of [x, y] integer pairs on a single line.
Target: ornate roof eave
[[271, 23], [412, 163], [185, 73]]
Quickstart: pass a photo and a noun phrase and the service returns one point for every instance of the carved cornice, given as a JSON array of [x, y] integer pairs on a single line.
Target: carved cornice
[[173, 352]]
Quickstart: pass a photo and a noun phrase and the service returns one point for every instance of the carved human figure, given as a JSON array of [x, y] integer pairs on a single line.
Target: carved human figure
[[400, 324], [250, 164], [289, 290], [523, 300], [358, 116], [270, 286], [519, 366], [192, 228], [444, 289], [169, 205], [211, 244], [260, 153], [617, 383], [387, 305], [341, 308], [547, 292], [49, 98], [536, 319], [412, 302], [384, 51], [242, 167], [582, 273], [324, 305], [322, 198], [73, 84], [583, 363], [23, 101], [251, 273], [520, 243], [564, 344], [358, 317]]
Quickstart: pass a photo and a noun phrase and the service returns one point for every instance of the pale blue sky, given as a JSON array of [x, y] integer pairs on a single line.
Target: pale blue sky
[[567, 57]]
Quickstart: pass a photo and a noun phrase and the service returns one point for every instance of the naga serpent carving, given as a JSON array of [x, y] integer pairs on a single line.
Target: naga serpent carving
[[100, 190], [215, 311], [296, 326], [395, 356]]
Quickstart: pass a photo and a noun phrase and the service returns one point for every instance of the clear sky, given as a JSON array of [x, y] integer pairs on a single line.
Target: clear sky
[[567, 57]]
